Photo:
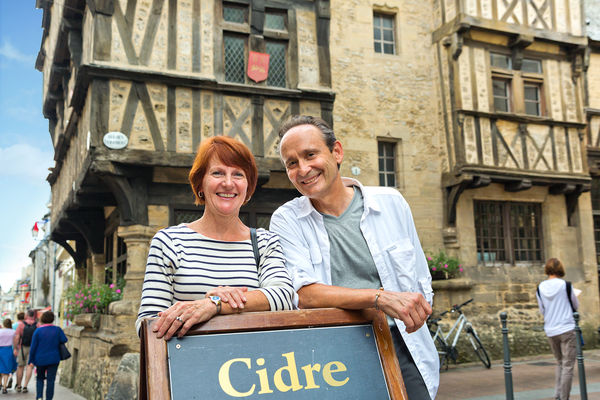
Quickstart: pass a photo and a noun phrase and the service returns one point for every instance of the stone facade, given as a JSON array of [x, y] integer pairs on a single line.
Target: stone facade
[[155, 72]]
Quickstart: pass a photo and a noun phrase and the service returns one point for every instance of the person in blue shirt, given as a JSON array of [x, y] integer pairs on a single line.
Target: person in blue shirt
[[44, 354]]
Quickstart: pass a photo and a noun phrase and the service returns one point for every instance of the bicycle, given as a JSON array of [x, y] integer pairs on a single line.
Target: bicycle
[[441, 340]]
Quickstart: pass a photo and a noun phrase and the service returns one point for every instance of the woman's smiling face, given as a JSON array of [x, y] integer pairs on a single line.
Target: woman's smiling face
[[224, 188]]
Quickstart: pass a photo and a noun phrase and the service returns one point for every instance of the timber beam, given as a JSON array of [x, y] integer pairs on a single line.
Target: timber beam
[[463, 21]]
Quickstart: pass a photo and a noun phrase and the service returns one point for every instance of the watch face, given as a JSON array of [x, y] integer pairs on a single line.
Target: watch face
[[215, 298]]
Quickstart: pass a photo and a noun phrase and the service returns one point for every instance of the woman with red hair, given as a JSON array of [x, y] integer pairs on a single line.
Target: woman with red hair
[[209, 266]]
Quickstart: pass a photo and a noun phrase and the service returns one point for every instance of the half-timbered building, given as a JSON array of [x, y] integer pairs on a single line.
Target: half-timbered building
[[479, 111], [515, 178]]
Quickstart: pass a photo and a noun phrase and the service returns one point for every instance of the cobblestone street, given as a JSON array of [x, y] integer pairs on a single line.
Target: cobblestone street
[[60, 392]]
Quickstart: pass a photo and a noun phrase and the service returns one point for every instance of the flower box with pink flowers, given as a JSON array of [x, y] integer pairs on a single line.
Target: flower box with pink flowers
[[443, 266], [90, 298]]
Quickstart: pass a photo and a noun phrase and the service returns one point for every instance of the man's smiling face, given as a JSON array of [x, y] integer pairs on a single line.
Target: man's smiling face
[[309, 163]]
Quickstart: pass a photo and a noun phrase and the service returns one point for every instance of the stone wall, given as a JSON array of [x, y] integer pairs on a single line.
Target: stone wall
[[389, 97], [97, 347]]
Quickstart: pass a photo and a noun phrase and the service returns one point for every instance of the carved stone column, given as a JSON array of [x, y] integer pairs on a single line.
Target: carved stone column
[[137, 238], [98, 265]]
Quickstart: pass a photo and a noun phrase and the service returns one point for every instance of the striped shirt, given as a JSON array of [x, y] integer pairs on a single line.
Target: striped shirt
[[183, 265]]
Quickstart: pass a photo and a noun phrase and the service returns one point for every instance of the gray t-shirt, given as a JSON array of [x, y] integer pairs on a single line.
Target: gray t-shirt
[[352, 265]]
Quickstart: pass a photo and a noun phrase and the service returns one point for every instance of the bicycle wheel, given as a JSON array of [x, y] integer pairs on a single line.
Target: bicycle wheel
[[479, 349], [442, 352]]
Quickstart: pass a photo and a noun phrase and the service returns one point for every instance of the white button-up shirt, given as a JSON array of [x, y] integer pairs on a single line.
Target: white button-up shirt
[[388, 228]]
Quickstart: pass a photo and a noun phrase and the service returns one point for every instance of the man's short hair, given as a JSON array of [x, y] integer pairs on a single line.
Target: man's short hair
[[21, 316], [554, 267], [31, 313], [297, 120]]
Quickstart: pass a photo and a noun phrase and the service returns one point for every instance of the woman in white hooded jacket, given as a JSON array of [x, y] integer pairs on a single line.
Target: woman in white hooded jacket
[[559, 325]]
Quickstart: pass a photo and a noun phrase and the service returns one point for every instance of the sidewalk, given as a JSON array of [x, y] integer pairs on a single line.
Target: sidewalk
[[533, 379], [60, 392]]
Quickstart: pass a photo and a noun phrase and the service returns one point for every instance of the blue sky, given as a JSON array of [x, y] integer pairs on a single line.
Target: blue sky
[[25, 147]]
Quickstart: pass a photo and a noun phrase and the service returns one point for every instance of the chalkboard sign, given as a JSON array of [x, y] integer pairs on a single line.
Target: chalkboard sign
[[306, 354]]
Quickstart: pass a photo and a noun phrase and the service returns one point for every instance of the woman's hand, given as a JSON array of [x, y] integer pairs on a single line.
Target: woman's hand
[[181, 316], [234, 296]]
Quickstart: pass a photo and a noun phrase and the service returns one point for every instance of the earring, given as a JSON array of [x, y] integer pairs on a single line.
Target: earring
[[201, 195]]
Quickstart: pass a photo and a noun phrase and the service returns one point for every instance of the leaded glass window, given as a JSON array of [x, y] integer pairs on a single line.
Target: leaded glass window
[[240, 38], [275, 21], [235, 13], [276, 53], [235, 59]]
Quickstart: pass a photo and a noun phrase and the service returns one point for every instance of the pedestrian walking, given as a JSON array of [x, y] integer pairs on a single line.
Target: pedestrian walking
[[15, 325], [8, 363], [44, 354], [20, 318], [21, 345], [557, 302]]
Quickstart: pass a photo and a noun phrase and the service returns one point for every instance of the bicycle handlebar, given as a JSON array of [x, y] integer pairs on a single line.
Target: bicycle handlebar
[[455, 307]]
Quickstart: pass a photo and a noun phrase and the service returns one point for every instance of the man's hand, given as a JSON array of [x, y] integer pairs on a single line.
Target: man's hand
[[410, 308]]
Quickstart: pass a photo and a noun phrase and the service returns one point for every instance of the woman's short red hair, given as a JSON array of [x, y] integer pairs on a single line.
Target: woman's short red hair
[[230, 152]]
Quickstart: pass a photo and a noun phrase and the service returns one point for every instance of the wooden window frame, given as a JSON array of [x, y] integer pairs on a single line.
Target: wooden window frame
[[394, 42], [540, 89], [394, 145], [518, 80], [507, 234], [509, 96]]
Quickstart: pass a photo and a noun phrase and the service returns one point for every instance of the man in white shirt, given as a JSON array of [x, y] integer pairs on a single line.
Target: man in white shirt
[[355, 247]]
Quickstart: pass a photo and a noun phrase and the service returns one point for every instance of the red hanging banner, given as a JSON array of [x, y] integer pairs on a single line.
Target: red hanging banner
[[258, 66]]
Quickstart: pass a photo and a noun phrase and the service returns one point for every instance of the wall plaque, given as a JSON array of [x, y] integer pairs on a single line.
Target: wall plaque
[[115, 140]]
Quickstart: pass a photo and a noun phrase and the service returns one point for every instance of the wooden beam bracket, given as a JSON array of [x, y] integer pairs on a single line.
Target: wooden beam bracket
[[455, 186], [517, 186], [517, 44]]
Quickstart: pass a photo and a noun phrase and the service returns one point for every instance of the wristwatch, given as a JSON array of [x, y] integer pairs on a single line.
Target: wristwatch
[[217, 301]]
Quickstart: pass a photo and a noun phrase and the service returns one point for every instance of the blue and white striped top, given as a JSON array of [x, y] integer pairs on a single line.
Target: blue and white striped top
[[183, 265]]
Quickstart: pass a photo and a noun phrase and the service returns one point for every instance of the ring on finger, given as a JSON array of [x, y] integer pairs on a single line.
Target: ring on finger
[[179, 319]]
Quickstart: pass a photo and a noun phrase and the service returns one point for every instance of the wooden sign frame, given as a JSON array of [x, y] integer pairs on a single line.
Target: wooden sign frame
[[154, 368]]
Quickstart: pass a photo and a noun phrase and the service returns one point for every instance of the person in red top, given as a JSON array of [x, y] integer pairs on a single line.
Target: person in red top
[[21, 345]]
